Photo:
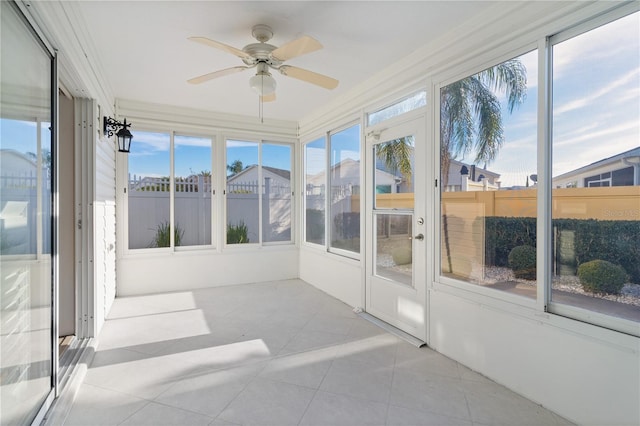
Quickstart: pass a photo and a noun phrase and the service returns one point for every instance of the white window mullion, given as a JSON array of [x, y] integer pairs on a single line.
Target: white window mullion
[[172, 223], [260, 189], [327, 193], [544, 226]]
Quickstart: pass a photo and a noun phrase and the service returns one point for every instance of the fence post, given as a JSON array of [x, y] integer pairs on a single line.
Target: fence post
[[266, 208], [201, 198]]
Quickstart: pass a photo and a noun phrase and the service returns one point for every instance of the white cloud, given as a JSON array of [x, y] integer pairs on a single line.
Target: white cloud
[[606, 44], [191, 141], [602, 137], [150, 141], [587, 101]]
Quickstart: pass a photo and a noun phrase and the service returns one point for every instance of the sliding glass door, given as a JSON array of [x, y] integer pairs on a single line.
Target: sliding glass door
[[26, 319]]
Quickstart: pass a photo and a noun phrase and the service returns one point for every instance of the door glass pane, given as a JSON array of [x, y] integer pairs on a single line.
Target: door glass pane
[[345, 189], [393, 249], [192, 169], [596, 170], [276, 206], [149, 191], [243, 190], [394, 174], [25, 221], [315, 172]]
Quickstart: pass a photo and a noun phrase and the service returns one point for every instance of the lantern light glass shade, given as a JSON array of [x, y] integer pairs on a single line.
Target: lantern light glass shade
[[124, 137], [263, 84]]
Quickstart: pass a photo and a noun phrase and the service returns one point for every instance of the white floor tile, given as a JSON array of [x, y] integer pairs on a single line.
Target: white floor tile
[[97, 406], [358, 380], [267, 402], [210, 392], [332, 409], [157, 415], [304, 369], [278, 353], [144, 376], [401, 416], [495, 405], [441, 396]]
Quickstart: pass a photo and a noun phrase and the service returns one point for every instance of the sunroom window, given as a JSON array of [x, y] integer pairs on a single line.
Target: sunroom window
[[315, 184], [488, 181], [193, 189], [596, 123], [333, 162], [149, 191], [258, 192]]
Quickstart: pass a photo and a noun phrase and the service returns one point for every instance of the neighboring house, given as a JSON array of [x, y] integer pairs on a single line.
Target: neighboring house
[[619, 170], [14, 163], [469, 177], [247, 180], [346, 174], [19, 201]]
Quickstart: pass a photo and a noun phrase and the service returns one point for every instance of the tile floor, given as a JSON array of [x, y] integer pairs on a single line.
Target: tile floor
[[280, 353]]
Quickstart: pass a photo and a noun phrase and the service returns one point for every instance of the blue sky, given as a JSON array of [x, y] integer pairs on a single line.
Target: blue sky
[[596, 115]]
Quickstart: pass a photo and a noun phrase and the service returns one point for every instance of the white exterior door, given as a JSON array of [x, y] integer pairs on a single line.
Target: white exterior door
[[396, 270]]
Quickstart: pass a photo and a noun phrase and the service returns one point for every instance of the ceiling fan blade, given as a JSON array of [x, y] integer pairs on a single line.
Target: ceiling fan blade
[[297, 47], [268, 98], [221, 46], [309, 76], [215, 74]]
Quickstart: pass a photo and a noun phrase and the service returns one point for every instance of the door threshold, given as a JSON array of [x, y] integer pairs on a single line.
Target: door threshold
[[391, 329]]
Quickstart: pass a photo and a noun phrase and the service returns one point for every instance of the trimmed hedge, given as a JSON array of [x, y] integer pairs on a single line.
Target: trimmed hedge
[[616, 241]]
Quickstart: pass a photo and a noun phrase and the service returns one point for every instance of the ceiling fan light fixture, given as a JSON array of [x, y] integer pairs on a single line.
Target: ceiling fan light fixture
[[263, 84]]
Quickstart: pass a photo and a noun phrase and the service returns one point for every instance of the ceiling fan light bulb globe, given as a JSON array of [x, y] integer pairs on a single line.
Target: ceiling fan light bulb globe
[[262, 84]]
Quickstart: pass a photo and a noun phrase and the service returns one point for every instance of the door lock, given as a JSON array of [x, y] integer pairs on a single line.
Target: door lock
[[419, 237], [420, 221]]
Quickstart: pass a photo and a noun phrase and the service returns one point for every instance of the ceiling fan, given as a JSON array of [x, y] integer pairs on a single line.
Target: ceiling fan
[[263, 57]]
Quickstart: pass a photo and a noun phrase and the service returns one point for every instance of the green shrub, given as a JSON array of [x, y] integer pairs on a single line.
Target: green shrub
[[600, 276], [522, 260], [237, 234], [615, 241], [162, 237], [502, 234]]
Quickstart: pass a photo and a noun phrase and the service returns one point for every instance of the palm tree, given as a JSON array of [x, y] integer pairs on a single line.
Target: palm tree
[[470, 113], [471, 119], [397, 156], [235, 167]]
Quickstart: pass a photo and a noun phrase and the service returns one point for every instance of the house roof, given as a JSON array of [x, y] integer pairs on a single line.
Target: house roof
[[634, 152], [285, 174]]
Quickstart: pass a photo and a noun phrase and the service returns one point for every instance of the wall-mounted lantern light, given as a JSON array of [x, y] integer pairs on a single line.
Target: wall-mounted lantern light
[[123, 135]]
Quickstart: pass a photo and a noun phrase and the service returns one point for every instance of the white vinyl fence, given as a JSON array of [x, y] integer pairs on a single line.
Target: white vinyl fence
[[22, 201], [149, 209]]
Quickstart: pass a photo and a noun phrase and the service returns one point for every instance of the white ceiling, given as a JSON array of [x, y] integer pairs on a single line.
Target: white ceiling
[[145, 54]]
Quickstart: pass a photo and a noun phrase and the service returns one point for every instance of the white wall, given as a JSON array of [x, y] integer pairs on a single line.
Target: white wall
[[153, 273], [336, 275], [587, 374]]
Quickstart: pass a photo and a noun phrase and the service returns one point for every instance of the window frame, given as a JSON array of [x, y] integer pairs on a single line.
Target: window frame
[[214, 179], [556, 313], [441, 281], [328, 225], [569, 311], [304, 193], [224, 205], [328, 218]]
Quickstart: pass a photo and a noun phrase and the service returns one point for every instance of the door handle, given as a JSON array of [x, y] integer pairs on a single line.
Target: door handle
[[419, 237]]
